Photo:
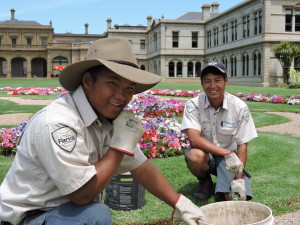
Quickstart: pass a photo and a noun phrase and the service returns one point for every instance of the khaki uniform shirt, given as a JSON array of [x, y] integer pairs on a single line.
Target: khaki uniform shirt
[[56, 156], [227, 127]]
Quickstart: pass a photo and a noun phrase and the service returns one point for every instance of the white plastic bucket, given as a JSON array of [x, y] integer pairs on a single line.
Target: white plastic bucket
[[237, 213]]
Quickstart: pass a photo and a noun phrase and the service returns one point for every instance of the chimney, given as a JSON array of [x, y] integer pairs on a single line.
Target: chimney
[[12, 12], [205, 11], [149, 20], [215, 7], [86, 28], [108, 21]]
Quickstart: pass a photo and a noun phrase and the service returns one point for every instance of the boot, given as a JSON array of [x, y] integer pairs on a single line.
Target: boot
[[204, 191]]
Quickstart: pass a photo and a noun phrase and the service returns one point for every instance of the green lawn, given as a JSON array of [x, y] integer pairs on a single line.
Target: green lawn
[[273, 158]]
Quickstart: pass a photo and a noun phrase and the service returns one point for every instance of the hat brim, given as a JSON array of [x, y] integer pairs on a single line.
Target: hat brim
[[71, 76]]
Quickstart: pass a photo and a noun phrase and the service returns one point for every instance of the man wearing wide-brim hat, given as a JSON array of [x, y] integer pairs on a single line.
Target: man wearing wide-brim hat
[[70, 150]]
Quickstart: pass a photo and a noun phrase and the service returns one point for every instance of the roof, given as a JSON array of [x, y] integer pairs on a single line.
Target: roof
[[195, 16], [19, 22]]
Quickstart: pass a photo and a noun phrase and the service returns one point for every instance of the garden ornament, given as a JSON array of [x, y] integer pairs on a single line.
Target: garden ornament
[[127, 131]]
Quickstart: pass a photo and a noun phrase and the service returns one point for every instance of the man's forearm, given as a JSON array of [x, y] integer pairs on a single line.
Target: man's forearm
[[242, 153]]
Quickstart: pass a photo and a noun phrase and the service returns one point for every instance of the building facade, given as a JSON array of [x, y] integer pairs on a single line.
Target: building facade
[[29, 49], [241, 37]]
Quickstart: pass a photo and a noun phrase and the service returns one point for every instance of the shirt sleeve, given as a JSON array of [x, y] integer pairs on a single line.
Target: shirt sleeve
[[64, 155], [190, 117], [246, 129]]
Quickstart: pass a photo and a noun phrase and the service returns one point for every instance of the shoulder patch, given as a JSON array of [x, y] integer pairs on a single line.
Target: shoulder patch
[[190, 106], [246, 115], [65, 138]]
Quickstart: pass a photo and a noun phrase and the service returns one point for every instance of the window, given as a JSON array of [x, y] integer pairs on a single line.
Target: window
[[143, 67], [179, 69], [245, 65], [190, 69], [171, 69], [44, 41], [259, 64], [216, 39], [224, 61], [143, 44], [234, 31], [198, 69], [260, 22], [233, 66], [208, 39], [225, 33], [292, 20], [29, 41], [297, 20], [175, 39], [288, 20], [255, 23], [246, 26], [255, 65], [13, 41], [194, 39]]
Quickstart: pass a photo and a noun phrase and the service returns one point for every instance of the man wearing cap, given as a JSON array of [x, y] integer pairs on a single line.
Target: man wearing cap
[[219, 126], [70, 149]]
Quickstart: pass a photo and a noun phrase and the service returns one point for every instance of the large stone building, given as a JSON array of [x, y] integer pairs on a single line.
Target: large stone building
[[241, 37], [29, 49]]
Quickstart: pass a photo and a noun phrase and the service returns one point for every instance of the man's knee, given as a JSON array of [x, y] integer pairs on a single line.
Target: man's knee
[[98, 213], [197, 156]]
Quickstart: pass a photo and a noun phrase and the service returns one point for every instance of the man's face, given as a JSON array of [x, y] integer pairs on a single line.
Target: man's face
[[109, 93], [214, 87]]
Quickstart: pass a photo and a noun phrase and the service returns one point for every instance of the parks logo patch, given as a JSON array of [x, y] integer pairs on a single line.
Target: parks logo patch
[[65, 138]]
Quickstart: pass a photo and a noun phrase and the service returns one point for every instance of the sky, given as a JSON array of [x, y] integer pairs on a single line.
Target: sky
[[71, 15]]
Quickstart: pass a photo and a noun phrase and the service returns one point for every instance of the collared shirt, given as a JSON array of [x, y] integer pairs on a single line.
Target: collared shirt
[[56, 156], [226, 127]]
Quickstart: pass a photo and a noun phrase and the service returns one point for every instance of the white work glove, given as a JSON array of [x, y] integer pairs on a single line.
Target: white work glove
[[187, 211], [234, 164], [238, 189], [127, 131]]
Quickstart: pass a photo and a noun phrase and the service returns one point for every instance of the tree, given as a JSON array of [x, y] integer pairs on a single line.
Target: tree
[[285, 52]]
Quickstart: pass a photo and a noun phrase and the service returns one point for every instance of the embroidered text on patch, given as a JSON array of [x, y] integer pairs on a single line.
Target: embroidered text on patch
[[65, 138]]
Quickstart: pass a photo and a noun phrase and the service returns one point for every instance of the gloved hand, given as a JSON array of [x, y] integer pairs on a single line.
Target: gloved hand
[[127, 131], [238, 189], [234, 164], [187, 211]]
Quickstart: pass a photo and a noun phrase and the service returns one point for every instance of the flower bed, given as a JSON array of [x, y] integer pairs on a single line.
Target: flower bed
[[162, 137]]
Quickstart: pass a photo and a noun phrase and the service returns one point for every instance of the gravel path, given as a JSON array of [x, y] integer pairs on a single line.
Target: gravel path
[[292, 128]]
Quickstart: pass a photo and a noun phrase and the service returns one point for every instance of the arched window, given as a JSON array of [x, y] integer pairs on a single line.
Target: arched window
[[255, 65], [233, 66], [224, 61], [18, 67], [244, 65], [259, 64], [198, 69], [190, 69], [179, 69], [3, 67], [171, 69], [247, 65]]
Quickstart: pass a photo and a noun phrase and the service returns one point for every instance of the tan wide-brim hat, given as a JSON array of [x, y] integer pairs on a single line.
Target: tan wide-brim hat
[[115, 54]]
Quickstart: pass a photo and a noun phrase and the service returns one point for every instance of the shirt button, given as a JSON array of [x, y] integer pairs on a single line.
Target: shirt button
[[214, 123]]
